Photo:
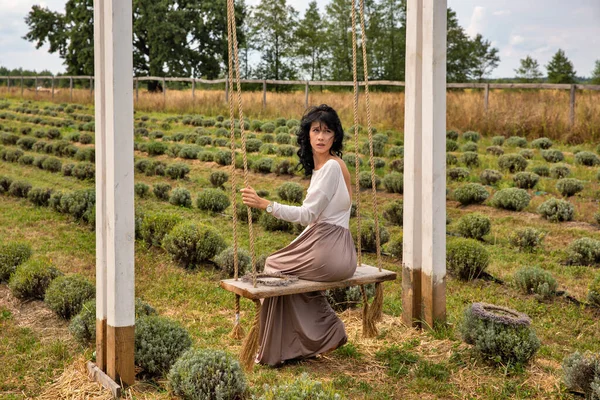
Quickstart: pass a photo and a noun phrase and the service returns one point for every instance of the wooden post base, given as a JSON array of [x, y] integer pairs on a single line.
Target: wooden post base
[[97, 375], [411, 296], [101, 344], [434, 300], [120, 353], [423, 303]]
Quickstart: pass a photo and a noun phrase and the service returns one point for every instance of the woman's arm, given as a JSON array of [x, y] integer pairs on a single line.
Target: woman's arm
[[319, 194], [314, 203]]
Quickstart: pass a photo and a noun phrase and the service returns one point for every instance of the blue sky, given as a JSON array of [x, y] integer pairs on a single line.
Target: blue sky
[[516, 27]]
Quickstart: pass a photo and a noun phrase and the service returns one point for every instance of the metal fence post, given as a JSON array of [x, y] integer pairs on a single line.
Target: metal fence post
[[264, 94], [71, 88]]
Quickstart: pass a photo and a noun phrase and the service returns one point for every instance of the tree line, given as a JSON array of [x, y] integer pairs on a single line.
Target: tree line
[[188, 38]]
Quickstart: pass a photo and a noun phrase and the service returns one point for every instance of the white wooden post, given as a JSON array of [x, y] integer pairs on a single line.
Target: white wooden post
[[424, 247], [100, 140], [116, 180], [411, 255], [433, 231]]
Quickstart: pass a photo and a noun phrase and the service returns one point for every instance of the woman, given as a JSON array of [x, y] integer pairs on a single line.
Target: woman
[[304, 325]]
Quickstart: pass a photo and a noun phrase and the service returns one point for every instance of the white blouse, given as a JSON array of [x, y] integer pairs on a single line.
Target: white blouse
[[327, 199]]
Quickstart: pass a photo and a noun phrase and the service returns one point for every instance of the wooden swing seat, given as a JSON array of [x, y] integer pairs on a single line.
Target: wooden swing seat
[[364, 274]]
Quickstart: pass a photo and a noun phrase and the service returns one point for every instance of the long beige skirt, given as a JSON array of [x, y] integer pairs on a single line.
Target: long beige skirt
[[304, 325]]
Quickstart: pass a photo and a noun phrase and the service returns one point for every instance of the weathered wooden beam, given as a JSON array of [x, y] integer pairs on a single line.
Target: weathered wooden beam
[[306, 91], [470, 85], [486, 98], [97, 375], [264, 102], [572, 106]]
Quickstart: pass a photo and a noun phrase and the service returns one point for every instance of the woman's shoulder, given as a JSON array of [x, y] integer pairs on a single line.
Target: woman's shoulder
[[339, 164]]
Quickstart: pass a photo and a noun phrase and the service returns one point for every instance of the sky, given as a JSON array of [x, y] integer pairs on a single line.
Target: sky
[[516, 27]]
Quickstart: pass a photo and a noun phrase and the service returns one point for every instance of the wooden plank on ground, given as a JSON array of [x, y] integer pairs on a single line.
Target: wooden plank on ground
[[97, 375], [364, 274]]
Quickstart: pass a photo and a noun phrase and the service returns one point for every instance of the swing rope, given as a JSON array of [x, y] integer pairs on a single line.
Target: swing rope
[[238, 331], [250, 344], [374, 312], [377, 305]]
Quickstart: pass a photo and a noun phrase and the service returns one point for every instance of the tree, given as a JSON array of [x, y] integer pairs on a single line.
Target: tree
[[387, 39], [560, 69], [339, 39], [529, 71], [170, 37], [485, 58], [596, 74], [71, 34], [311, 47], [458, 55], [273, 26]]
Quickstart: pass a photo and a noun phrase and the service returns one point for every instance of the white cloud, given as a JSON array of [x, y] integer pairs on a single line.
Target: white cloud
[[477, 21], [516, 40], [501, 13]]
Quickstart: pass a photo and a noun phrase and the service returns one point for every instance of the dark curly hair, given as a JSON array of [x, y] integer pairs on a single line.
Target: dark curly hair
[[327, 116]]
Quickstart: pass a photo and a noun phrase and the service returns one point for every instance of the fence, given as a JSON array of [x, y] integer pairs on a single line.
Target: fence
[[193, 81]]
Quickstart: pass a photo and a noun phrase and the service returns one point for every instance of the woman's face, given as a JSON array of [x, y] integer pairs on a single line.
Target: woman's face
[[321, 138]]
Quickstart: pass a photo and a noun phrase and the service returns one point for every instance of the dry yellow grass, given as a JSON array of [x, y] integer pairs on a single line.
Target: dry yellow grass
[[529, 113]]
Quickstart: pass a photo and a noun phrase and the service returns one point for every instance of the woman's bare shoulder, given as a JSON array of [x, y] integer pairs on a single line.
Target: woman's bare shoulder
[[343, 166]]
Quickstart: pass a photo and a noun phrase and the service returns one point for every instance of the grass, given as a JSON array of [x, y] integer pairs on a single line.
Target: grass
[[399, 363]]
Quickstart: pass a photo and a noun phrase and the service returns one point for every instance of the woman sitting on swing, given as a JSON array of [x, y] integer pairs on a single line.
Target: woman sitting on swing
[[304, 325]]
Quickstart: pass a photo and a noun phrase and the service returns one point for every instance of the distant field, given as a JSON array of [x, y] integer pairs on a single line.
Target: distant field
[[529, 113], [31, 358]]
